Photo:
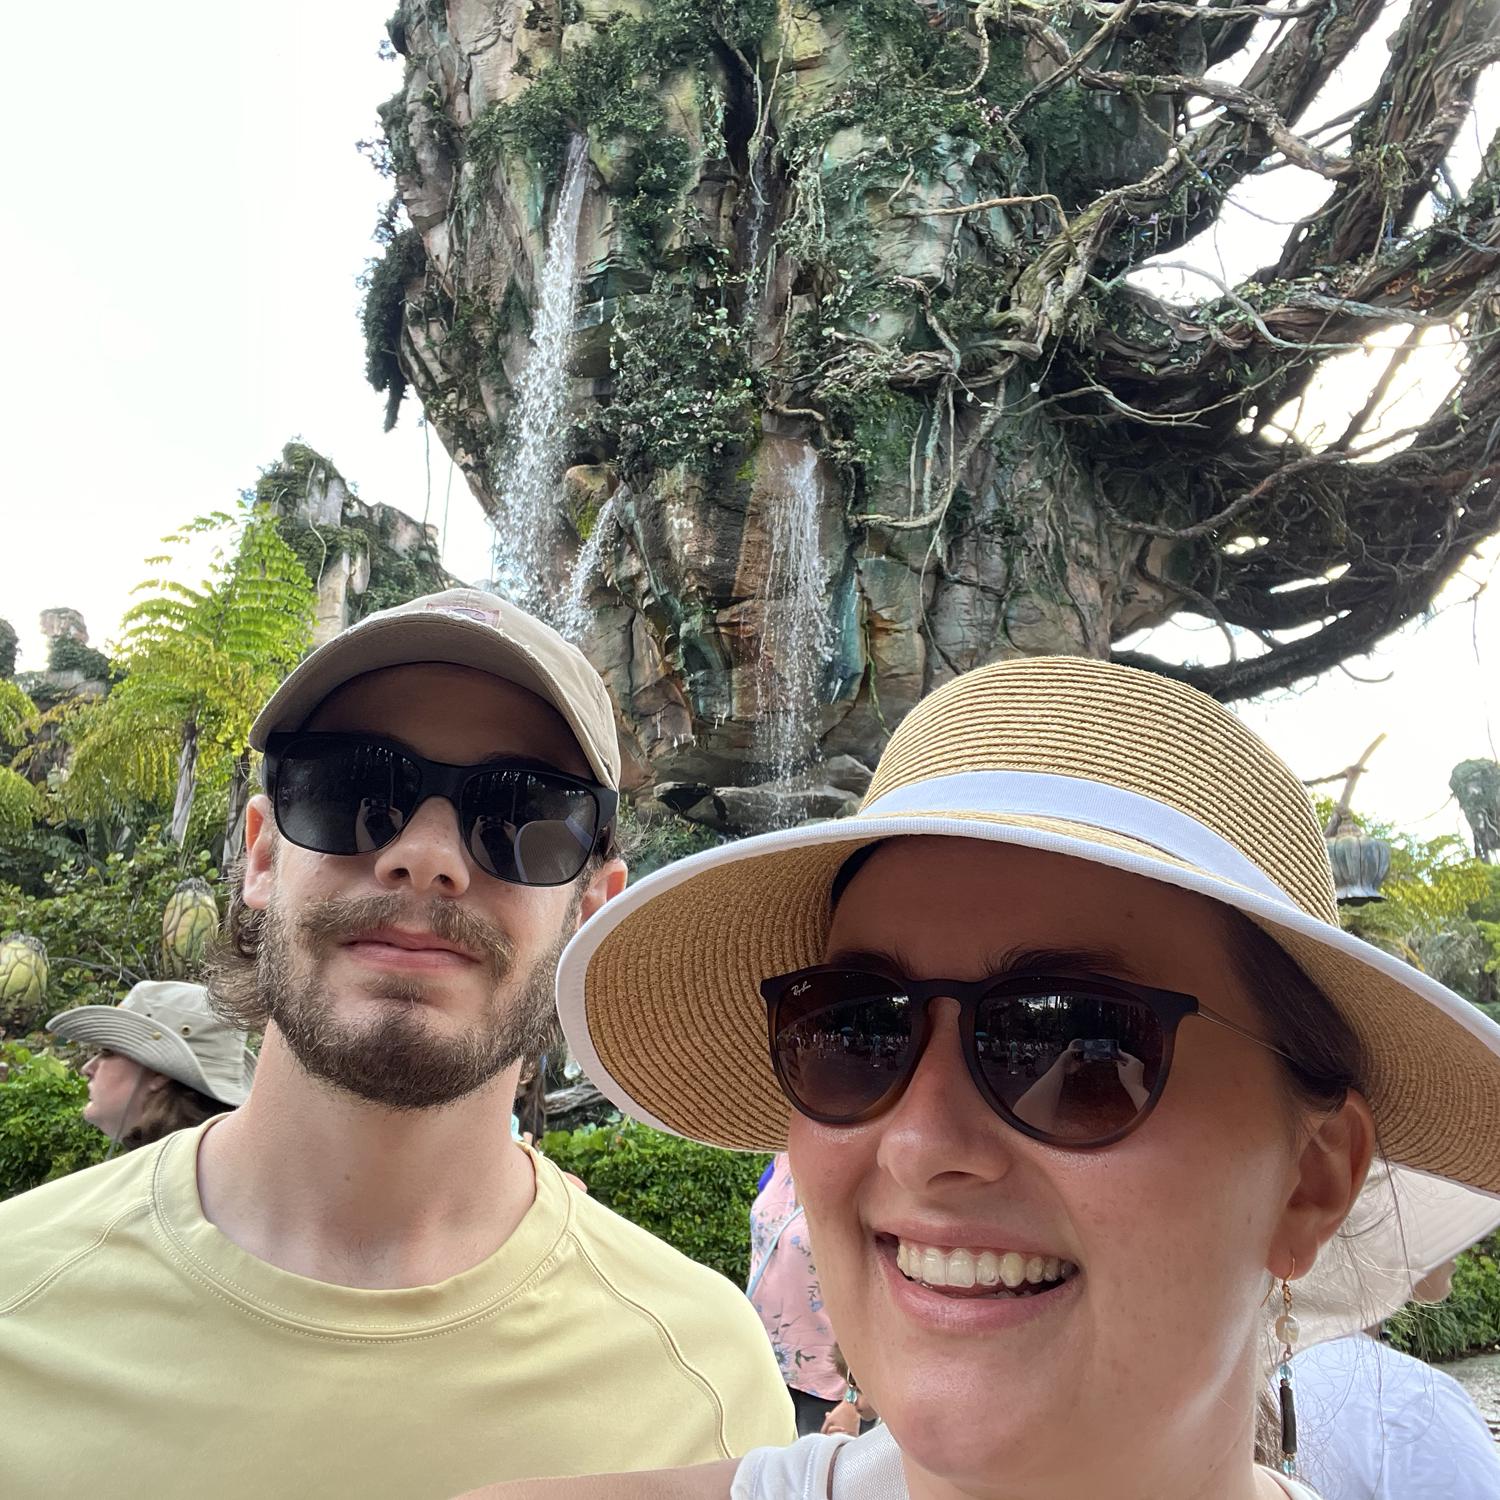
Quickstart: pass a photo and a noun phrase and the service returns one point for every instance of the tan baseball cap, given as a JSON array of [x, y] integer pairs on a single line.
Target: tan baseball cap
[[464, 628]]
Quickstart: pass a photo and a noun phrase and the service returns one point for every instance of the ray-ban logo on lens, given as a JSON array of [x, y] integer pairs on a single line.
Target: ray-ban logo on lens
[[803, 988]]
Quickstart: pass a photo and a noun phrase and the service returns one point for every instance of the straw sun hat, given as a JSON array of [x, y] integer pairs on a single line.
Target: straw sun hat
[[169, 1028], [659, 992]]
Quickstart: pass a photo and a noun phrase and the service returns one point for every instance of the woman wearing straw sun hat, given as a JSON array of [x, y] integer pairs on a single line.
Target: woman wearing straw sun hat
[[1078, 1074], [165, 1061]]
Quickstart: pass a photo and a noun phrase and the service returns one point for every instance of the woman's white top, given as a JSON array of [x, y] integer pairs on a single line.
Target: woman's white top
[[1375, 1424], [869, 1468]]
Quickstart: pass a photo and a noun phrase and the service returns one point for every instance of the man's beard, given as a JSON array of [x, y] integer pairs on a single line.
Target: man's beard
[[397, 1059]]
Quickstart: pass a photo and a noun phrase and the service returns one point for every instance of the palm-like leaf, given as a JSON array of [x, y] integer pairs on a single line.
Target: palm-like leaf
[[198, 662]]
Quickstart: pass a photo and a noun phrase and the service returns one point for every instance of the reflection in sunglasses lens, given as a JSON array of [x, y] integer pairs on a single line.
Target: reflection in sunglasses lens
[[1076, 1066], [848, 1049]]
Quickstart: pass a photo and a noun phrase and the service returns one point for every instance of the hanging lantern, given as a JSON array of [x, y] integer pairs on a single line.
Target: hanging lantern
[[23, 973], [1360, 864], [189, 921]]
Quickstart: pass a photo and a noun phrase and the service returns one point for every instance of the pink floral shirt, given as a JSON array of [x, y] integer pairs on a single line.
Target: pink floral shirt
[[784, 1288]]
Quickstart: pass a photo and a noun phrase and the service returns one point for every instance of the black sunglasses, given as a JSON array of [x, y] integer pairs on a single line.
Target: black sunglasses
[[354, 793], [1076, 1061]]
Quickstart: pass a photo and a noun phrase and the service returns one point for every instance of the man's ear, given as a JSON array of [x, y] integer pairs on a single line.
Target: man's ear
[[1330, 1173], [609, 880], [260, 852]]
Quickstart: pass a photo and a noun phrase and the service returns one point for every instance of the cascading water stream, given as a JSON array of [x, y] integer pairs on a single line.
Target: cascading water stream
[[527, 518], [573, 615], [797, 636]]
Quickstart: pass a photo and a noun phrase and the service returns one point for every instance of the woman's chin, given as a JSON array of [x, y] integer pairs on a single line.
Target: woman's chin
[[971, 1439]]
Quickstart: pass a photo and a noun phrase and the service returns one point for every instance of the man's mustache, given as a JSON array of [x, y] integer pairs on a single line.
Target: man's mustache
[[338, 919]]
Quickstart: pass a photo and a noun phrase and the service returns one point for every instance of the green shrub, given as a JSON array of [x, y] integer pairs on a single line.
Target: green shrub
[[42, 1132], [100, 924], [694, 1197], [1467, 1322], [67, 655]]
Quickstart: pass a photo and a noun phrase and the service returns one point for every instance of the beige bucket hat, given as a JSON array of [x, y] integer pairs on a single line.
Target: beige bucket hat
[[658, 992], [465, 628], [1404, 1225], [171, 1029]]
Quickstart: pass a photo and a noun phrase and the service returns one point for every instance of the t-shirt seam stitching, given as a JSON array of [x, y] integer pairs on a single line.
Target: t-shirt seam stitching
[[688, 1368], [60, 1268], [269, 1313]]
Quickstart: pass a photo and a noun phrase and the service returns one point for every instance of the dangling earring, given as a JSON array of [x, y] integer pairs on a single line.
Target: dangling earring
[[1286, 1332]]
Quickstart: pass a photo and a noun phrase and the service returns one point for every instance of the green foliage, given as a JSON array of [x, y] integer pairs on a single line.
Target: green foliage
[[18, 803], [18, 799], [694, 1197], [649, 843], [611, 87], [198, 661], [1424, 916], [42, 1132], [100, 922], [8, 644], [385, 282], [64, 654], [684, 391], [18, 716], [1467, 1322], [395, 576]]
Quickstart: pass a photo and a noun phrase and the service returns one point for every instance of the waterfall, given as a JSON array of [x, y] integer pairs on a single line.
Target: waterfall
[[573, 616], [797, 635], [535, 451]]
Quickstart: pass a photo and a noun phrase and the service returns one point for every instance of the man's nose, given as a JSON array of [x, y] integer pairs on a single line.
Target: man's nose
[[429, 857]]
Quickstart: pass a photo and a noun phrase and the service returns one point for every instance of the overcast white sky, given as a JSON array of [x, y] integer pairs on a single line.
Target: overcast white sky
[[185, 215]]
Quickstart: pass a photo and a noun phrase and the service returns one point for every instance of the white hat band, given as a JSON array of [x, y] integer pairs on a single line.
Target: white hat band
[[1110, 808]]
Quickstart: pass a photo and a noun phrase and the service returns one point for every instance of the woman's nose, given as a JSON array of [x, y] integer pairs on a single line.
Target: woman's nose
[[941, 1127]]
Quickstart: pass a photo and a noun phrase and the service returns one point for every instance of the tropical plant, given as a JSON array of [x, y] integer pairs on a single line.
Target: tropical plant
[[1467, 1321], [694, 1197], [100, 922], [198, 664], [42, 1132], [18, 719], [1427, 907]]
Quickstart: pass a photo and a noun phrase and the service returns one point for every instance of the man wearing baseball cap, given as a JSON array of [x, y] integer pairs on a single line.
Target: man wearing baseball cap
[[358, 1283]]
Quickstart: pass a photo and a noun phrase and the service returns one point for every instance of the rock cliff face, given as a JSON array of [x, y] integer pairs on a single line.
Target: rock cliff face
[[360, 557], [776, 291]]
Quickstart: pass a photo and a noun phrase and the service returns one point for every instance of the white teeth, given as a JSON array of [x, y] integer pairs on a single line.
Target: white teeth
[[964, 1269]]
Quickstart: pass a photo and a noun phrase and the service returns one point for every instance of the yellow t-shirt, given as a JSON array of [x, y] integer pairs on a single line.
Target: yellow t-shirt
[[143, 1353]]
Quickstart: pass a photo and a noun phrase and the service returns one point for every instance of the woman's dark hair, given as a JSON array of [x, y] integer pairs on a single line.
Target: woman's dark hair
[[162, 1111]]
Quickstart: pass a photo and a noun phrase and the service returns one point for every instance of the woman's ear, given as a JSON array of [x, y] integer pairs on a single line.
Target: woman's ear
[[1331, 1170]]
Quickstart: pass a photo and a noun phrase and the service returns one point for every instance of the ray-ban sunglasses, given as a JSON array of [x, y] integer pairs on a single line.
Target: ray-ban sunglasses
[[1076, 1061], [355, 793]]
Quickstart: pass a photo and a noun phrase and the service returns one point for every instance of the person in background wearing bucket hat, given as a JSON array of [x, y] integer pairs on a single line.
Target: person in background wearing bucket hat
[[1079, 1078], [164, 1062], [1374, 1423], [358, 1283]]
